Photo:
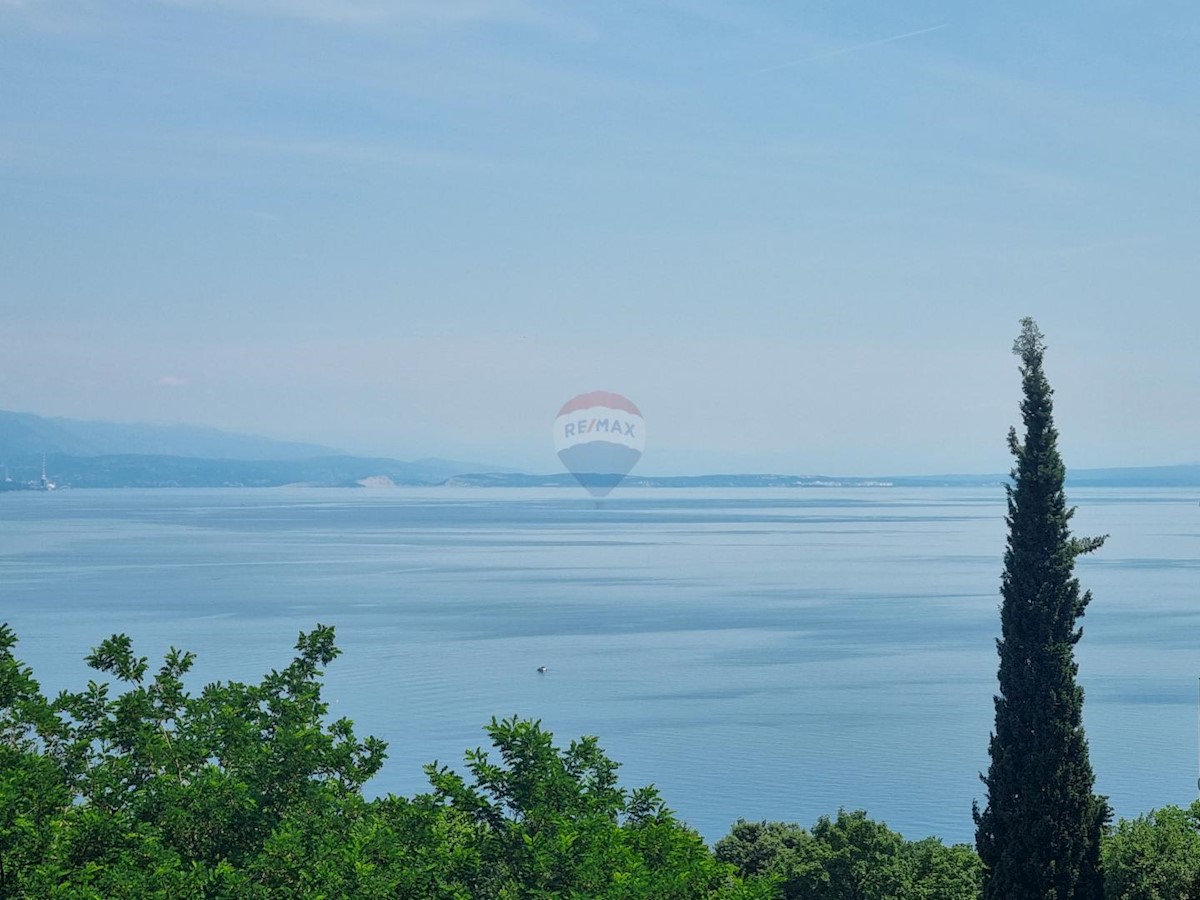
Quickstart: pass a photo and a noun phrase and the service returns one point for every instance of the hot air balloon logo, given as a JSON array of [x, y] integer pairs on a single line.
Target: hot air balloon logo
[[599, 437]]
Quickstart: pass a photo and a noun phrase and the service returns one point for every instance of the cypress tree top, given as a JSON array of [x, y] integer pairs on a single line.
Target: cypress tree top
[[1039, 836]]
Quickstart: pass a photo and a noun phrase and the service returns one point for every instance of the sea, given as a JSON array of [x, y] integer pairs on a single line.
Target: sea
[[753, 653]]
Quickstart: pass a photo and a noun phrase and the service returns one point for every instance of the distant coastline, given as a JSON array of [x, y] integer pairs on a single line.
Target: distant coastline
[[161, 471], [83, 454], [1149, 476]]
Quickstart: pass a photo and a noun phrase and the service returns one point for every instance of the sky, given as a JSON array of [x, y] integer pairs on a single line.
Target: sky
[[799, 235]]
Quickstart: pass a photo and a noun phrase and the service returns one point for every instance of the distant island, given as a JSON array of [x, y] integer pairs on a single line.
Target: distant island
[[80, 454]]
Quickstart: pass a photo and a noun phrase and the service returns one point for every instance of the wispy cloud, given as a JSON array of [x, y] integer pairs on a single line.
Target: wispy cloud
[[346, 152], [367, 12], [1103, 119], [349, 13], [851, 49]]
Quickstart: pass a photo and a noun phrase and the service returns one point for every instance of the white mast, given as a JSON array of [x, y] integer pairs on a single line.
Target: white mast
[[47, 484]]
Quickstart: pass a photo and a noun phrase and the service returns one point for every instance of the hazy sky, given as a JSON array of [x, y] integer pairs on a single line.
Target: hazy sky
[[798, 235]]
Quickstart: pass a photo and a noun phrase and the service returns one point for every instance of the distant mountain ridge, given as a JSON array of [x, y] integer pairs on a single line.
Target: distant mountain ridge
[[106, 454], [27, 434]]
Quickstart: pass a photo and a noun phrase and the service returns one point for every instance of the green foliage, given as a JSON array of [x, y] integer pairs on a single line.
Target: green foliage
[[555, 823], [247, 791], [1155, 857], [1039, 836], [154, 792], [33, 786], [850, 857]]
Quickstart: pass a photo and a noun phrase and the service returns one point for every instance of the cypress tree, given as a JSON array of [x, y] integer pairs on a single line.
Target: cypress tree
[[1039, 836]]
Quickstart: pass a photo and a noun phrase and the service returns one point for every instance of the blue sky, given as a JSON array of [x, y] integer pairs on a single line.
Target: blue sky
[[798, 235]]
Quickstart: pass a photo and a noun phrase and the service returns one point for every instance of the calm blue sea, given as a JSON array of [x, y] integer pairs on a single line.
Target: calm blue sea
[[756, 653]]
